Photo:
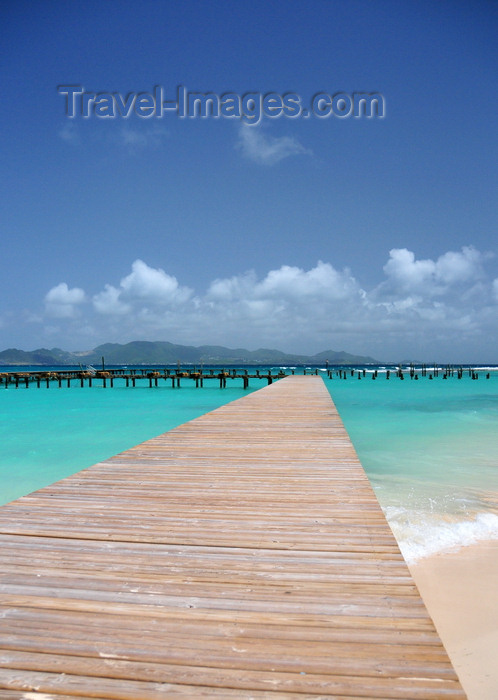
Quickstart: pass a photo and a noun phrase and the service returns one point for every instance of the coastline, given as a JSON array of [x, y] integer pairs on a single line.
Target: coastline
[[459, 589]]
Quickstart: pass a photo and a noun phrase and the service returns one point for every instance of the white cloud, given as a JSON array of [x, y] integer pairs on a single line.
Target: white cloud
[[153, 285], [62, 302], [420, 306], [432, 277], [286, 285], [267, 150], [456, 267], [321, 282], [406, 272], [232, 288], [143, 290], [108, 301]]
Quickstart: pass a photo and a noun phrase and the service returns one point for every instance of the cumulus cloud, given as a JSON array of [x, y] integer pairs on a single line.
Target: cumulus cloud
[[144, 287], [153, 285], [419, 305], [288, 301], [62, 302], [289, 284], [108, 301], [406, 272], [321, 282], [238, 287], [456, 267], [267, 150], [432, 277]]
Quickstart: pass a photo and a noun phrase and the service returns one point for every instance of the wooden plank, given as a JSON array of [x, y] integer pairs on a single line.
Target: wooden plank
[[243, 554], [96, 624]]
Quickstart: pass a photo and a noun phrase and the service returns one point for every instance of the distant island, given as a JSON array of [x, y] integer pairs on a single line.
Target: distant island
[[142, 352]]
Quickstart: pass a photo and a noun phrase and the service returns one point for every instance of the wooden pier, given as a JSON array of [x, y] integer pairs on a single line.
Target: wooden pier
[[132, 377], [240, 555], [156, 376]]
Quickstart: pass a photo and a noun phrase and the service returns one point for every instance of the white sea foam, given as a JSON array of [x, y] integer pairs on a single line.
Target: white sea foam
[[419, 538]]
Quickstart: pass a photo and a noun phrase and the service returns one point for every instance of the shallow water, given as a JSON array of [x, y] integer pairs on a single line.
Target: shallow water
[[47, 434], [430, 449]]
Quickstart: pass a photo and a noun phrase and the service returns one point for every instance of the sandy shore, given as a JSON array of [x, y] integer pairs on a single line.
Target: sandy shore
[[460, 591]]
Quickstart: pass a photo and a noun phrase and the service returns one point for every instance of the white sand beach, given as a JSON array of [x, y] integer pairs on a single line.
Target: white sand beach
[[460, 590]]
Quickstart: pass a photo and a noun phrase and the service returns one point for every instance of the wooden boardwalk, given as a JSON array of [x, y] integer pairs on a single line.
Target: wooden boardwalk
[[241, 555]]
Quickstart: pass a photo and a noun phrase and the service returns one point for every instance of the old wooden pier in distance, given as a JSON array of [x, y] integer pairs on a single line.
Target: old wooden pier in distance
[[155, 376], [240, 555], [133, 377]]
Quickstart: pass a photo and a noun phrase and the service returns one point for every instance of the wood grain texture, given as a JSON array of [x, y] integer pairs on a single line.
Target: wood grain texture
[[242, 554]]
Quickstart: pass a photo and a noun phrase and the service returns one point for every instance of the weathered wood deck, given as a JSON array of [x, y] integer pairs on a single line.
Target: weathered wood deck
[[240, 555]]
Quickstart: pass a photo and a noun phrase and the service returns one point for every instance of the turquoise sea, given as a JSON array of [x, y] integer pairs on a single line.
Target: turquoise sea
[[429, 447]]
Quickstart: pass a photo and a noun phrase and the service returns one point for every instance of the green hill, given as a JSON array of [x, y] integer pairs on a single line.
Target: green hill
[[141, 352]]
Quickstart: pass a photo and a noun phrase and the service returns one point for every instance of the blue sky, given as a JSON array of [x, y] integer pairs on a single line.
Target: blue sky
[[377, 236]]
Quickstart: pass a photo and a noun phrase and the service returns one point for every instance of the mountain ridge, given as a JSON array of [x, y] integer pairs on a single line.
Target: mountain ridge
[[140, 352]]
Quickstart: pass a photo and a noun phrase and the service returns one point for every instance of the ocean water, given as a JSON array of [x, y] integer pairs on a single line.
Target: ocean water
[[429, 447], [48, 434]]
